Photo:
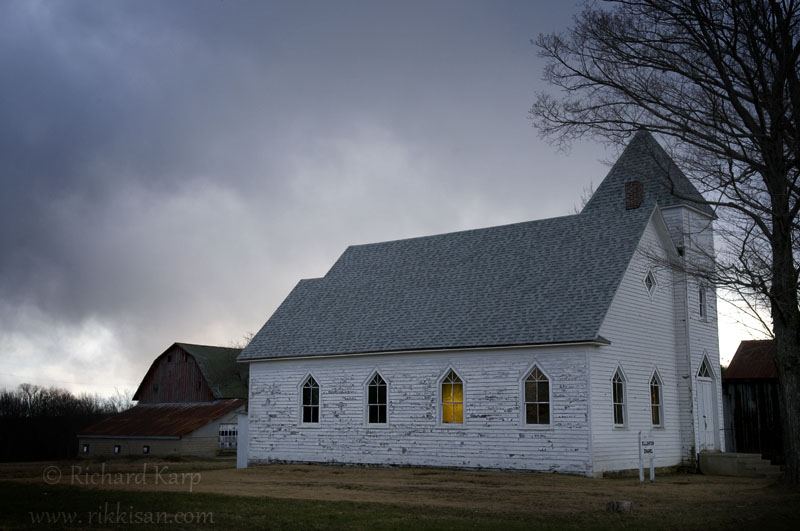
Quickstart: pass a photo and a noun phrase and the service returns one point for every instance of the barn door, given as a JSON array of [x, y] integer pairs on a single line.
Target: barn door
[[706, 412]]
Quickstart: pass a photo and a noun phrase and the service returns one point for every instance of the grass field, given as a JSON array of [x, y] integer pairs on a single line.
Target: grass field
[[208, 494]]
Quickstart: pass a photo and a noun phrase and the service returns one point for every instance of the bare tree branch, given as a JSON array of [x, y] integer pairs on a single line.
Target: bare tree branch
[[718, 82]]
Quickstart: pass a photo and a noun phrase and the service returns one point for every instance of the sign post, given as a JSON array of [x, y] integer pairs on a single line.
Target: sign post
[[647, 450]]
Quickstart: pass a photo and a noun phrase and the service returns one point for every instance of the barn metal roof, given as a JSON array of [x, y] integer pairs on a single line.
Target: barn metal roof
[[225, 377], [532, 283], [753, 360], [162, 420]]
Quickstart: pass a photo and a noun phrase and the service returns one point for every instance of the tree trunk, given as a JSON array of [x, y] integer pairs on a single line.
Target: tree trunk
[[786, 328], [787, 362], [790, 407]]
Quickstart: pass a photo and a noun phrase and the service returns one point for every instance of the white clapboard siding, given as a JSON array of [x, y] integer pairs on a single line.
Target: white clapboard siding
[[641, 328], [677, 220], [703, 331], [685, 405], [699, 335], [493, 434]]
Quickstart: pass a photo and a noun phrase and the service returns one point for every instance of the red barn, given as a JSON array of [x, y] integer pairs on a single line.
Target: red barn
[[188, 403], [751, 401]]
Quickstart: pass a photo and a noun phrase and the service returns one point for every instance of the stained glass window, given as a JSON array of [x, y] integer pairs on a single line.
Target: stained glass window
[[452, 399]]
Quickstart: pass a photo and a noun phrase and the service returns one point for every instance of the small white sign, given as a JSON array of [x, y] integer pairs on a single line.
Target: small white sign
[[648, 447], [647, 452]]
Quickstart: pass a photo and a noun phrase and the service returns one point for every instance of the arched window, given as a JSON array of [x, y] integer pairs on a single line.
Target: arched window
[[376, 400], [618, 397], [656, 403], [310, 401], [537, 398], [452, 399]]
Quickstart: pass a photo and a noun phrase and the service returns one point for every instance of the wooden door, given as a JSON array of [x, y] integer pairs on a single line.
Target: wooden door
[[706, 414]]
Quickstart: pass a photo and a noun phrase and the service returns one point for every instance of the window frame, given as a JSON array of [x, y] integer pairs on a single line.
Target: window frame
[[368, 404], [523, 417], [228, 435], [440, 400], [301, 403], [652, 290], [660, 394], [623, 380], [704, 363], [702, 302], [145, 449]]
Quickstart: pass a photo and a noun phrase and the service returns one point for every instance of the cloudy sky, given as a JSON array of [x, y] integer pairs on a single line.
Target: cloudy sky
[[169, 170]]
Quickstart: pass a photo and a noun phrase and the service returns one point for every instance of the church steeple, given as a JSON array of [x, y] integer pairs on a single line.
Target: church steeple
[[645, 175]]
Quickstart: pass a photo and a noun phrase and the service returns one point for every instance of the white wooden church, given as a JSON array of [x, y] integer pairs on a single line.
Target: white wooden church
[[545, 345]]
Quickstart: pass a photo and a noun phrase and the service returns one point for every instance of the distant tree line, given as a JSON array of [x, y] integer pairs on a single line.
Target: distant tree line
[[42, 423]]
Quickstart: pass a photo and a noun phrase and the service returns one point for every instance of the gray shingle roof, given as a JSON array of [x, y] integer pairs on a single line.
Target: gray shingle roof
[[537, 282]]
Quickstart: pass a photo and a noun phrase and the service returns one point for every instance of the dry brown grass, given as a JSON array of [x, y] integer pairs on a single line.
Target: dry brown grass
[[694, 496]]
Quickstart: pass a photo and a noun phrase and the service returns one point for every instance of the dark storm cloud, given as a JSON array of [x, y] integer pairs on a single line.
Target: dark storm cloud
[[170, 169], [98, 103]]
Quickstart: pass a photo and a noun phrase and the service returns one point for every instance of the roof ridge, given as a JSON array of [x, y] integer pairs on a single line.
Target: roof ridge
[[464, 231], [182, 343]]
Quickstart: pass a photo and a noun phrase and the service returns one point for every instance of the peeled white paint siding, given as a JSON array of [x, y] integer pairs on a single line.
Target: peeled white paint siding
[[641, 328], [493, 433]]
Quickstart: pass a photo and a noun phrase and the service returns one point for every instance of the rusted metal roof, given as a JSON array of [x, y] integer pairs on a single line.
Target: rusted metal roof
[[163, 420], [753, 360]]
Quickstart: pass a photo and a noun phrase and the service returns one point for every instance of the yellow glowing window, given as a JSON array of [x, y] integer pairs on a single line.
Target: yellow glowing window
[[452, 399]]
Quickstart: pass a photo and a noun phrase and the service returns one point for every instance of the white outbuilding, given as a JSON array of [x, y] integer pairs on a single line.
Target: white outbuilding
[[545, 345]]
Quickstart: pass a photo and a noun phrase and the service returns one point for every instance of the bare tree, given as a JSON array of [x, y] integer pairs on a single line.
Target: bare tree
[[29, 401], [120, 401], [245, 340], [717, 80]]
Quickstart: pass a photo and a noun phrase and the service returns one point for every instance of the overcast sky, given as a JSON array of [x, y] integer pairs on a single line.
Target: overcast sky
[[170, 170]]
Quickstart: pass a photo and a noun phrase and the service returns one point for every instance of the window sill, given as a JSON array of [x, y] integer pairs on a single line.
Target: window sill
[[536, 427], [376, 425], [451, 426]]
